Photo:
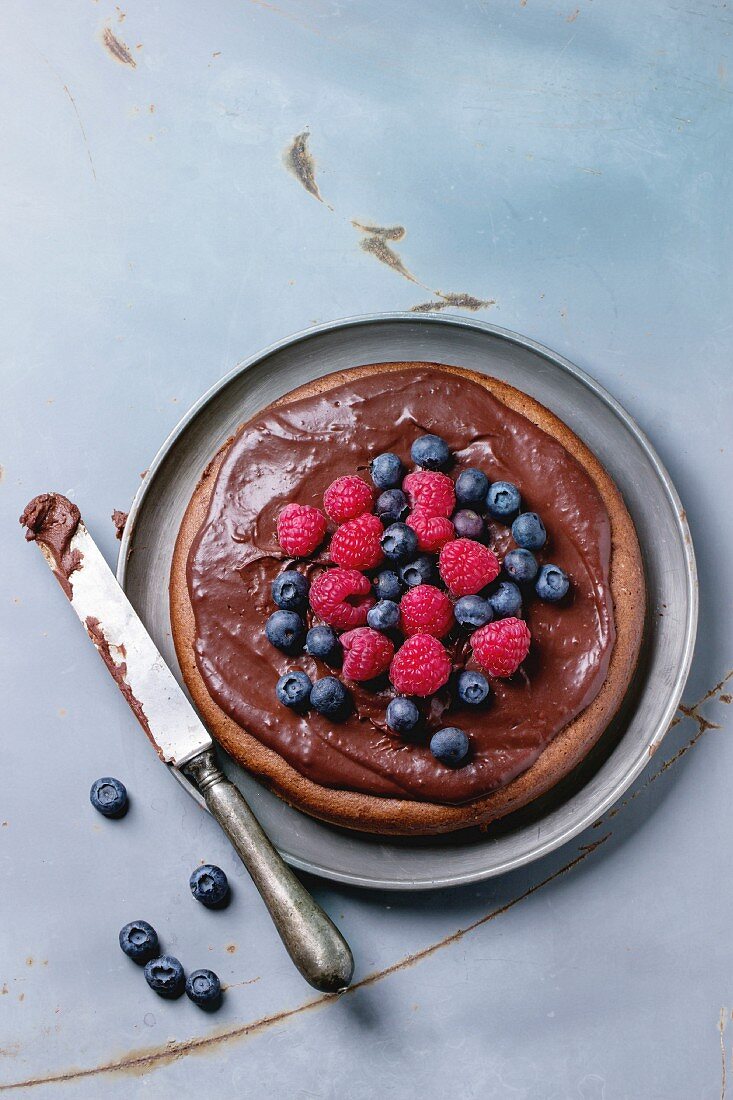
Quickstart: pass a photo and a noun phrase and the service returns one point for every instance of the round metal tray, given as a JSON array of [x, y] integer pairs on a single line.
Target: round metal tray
[[608, 430]]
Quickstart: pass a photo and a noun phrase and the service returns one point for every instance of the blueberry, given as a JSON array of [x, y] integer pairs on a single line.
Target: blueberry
[[384, 615], [450, 746], [503, 500], [473, 612], [419, 571], [210, 886], [506, 601], [387, 585], [528, 531], [402, 715], [469, 525], [285, 630], [392, 506], [321, 642], [204, 989], [290, 590], [109, 796], [165, 976], [330, 698], [431, 452], [139, 941], [473, 688], [552, 584], [471, 486], [399, 542], [521, 565], [294, 689], [386, 471]]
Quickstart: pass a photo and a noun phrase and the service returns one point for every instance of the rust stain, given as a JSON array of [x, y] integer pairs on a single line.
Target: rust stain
[[375, 244], [119, 519], [299, 161], [231, 948], [29, 961], [2, 473], [454, 301], [4, 989], [573, 16], [237, 985], [121, 15], [726, 698], [384, 232], [722, 1024], [117, 49]]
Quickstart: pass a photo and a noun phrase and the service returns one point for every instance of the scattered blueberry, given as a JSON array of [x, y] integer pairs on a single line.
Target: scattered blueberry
[[139, 941], [402, 715], [285, 630], [450, 746], [419, 571], [384, 615], [431, 452], [290, 590], [521, 565], [469, 525], [387, 585], [330, 698], [528, 531], [109, 796], [552, 583], [392, 506], [210, 886], [165, 976], [321, 642], [294, 689], [506, 601], [386, 471], [399, 542], [471, 486], [473, 688], [204, 989], [473, 612], [503, 500]]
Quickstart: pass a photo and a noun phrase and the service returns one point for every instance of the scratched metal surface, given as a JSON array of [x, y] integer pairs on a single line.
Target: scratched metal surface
[[564, 169]]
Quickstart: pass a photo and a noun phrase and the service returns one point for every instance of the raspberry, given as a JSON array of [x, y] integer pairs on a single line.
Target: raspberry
[[300, 529], [342, 598], [367, 653], [432, 491], [426, 610], [356, 545], [432, 531], [467, 566], [501, 647], [420, 667], [347, 498]]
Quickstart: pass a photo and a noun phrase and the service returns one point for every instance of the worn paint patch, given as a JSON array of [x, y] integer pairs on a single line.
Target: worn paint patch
[[375, 244], [117, 49], [454, 301], [300, 163]]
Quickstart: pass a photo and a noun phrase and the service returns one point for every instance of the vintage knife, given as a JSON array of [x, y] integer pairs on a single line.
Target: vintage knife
[[312, 940]]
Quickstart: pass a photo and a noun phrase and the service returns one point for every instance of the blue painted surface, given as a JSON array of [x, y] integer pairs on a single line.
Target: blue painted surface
[[571, 161]]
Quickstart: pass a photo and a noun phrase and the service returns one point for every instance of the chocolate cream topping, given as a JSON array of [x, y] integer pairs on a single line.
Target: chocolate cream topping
[[51, 520], [293, 453]]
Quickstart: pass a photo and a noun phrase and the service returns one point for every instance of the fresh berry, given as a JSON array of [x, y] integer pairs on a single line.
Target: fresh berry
[[321, 642], [402, 715], [109, 796], [528, 531], [139, 941], [330, 698], [473, 612], [501, 647], [426, 610], [286, 631], [355, 544], [290, 590], [386, 470], [506, 601], [367, 653], [432, 492], [473, 688], [472, 485], [420, 667], [210, 885], [431, 452], [384, 615], [165, 975], [432, 531], [467, 566], [300, 529], [419, 571], [387, 585], [552, 584], [469, 525], [348, 497], [392, 506], [521, 565], [399, 542], [293, 690], [450, 746], [204, 989], [503, 500], [342, 598]]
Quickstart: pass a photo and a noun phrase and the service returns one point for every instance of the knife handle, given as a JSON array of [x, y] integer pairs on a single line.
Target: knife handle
[[312, 940]]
